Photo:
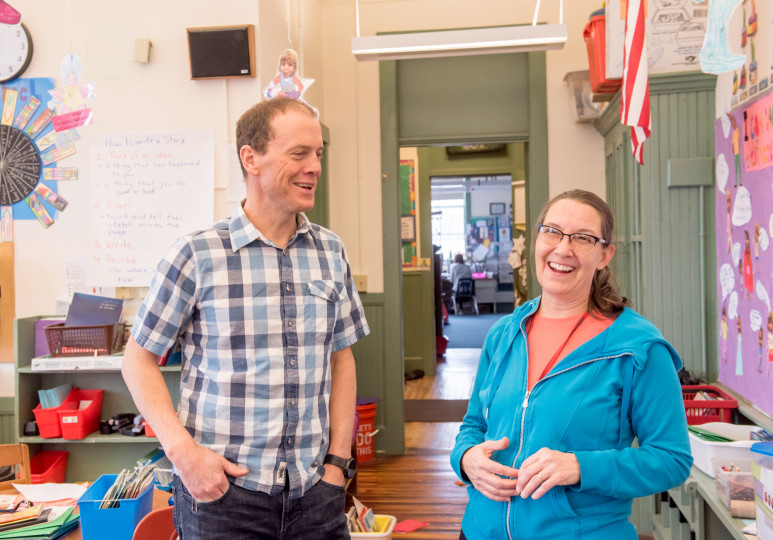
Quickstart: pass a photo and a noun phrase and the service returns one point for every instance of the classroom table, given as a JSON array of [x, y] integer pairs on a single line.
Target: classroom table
[[160, 500]]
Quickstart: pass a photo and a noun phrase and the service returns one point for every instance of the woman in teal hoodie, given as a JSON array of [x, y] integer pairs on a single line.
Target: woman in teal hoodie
[[564, 385]]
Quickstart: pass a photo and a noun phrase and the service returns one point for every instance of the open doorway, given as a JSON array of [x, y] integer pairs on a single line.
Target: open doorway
[[471, 205], [429, 102]]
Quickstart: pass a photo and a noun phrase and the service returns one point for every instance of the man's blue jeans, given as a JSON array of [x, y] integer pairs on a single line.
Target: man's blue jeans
[[245, 514]]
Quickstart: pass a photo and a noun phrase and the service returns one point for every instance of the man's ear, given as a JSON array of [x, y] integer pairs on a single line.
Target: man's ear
[[249, 159]]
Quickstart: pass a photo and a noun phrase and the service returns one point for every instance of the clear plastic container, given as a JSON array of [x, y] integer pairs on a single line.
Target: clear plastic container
[[735, 485]]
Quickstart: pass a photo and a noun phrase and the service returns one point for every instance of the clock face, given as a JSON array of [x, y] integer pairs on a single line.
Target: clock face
[[15, 50]]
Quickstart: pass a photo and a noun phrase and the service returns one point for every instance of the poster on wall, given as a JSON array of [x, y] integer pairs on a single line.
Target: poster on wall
[[748, 34], [408, 210], [675, 32], [744, 227]]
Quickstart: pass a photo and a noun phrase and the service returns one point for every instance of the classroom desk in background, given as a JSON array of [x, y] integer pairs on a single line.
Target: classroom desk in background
[[160, 500]]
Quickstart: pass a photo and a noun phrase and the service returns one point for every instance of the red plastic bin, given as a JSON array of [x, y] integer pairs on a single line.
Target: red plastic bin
[[700, 411], [78, 423], [48, 419], [595, 41], [48, 466]]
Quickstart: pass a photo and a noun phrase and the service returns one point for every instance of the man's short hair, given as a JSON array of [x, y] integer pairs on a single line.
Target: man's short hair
[[254, 126]]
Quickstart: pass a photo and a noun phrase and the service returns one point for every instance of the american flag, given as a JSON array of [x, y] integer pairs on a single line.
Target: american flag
[[635, 111]]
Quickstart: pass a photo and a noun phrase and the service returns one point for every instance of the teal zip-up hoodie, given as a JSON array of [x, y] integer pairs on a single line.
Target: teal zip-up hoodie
[[619, 385]]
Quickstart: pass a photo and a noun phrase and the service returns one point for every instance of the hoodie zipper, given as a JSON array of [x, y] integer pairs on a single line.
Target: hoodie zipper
[[525, 406]]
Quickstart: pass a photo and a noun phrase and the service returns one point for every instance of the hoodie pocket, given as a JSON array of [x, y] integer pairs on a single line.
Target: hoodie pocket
[[561, 502], [487, 515]]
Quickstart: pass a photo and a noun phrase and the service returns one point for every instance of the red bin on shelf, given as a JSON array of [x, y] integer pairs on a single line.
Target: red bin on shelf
[[595, 40], [48, 466], [78, 422]]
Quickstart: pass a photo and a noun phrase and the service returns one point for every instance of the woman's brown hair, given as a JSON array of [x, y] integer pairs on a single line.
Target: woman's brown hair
[[604, 296]]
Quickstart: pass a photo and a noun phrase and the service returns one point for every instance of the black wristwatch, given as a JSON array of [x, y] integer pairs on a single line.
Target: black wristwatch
[[346, 465]]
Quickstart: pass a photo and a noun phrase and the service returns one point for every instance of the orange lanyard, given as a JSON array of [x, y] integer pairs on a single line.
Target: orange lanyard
[[553, 360]]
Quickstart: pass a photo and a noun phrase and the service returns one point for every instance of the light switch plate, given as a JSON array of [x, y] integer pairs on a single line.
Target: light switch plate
[[361, 282]]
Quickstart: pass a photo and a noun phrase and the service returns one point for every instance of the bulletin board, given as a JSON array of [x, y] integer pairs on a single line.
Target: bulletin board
[[147, 190], [744, 228], [408, 211]]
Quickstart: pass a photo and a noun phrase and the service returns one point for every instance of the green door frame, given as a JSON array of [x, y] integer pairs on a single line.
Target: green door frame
[[536, 192]]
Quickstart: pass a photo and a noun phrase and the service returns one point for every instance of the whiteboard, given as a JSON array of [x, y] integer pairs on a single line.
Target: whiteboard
[[147, 189]]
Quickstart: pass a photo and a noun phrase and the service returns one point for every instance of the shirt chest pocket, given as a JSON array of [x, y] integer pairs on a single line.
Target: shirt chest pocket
[[320, 307]]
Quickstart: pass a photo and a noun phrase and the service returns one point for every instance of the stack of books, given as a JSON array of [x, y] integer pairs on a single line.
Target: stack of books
[[38, 522]]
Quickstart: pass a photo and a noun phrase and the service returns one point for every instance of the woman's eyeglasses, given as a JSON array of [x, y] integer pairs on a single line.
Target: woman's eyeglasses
[[553, 237]]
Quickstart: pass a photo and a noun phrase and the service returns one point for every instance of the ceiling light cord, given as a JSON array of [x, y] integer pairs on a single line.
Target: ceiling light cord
[[357, 17], [536, 13]]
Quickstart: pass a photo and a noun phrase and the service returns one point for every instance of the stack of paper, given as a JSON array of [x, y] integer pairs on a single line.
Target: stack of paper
[[129, 485], [361, 519], [58, 521], [53, 397]]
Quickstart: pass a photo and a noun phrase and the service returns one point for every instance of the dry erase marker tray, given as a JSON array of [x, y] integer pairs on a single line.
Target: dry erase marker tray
[[84, 340]]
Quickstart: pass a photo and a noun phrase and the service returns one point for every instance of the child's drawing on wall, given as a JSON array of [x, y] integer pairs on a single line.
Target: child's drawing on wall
[[738, 354], [748, 273], [723, 330]]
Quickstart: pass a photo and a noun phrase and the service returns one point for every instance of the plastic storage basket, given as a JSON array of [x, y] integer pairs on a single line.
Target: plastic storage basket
[[48, 466], [84, 340], [114, 523], [701, 411], [385, 525]]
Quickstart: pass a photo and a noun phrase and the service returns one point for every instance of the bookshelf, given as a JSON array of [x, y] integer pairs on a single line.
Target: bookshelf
[[96, 454]]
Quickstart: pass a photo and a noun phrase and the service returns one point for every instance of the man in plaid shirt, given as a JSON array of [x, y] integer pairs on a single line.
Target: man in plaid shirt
[[266, 310]]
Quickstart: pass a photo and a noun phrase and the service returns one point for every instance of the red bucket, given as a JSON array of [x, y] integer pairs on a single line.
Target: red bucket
[[365, 432]]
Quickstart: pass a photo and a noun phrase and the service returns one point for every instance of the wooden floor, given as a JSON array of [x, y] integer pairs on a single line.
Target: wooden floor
[[420, 484], [453, 380]]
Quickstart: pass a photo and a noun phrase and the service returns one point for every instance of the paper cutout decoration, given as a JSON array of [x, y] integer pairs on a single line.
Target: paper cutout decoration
[[8, 15], [715, 55], [73, 98], [287, 81]]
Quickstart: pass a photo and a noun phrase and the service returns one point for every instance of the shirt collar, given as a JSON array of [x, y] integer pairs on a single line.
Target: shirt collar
[[243, 232]]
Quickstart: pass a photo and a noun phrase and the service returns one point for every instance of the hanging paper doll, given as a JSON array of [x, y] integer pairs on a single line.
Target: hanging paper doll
[[287, 82], [770, 343], [752, 20], [736, 156], [723, 330], [729, 222], [743, 29], [748, 273], [756, 242], [742, 82], [752, 67], [761, 340], [735, 82], [738, 358]]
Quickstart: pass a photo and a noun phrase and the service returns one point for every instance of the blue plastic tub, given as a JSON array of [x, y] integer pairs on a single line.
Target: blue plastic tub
[[114, 523]]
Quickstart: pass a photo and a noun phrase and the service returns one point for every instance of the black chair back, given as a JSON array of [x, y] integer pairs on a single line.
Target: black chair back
[[465, 288]]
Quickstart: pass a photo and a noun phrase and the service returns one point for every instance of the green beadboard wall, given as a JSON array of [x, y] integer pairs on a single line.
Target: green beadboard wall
[[6, 420], [666, 261]]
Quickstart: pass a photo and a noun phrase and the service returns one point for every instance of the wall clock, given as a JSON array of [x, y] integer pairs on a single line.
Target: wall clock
[[15, 50]]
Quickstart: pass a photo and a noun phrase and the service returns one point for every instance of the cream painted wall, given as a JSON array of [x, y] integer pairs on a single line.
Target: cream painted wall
[[131, 97], [352, 110]]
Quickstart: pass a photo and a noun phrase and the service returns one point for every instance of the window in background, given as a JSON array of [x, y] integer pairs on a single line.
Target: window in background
[[448, 226]]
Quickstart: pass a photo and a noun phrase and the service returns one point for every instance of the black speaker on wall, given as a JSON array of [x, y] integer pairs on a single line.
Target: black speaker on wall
[[222, 51]]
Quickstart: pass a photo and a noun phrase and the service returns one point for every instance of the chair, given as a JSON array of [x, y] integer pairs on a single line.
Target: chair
[[157, 525], [16, 454], [465, 291]]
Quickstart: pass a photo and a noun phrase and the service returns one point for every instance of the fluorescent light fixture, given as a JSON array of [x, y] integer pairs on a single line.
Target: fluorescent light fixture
[[503, 39]]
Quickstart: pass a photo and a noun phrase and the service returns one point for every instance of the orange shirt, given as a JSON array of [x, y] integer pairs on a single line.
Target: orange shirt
[[546, 336]]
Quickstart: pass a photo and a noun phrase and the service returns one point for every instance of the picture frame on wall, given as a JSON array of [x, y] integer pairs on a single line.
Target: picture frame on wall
[[496, 208], [408, 228]]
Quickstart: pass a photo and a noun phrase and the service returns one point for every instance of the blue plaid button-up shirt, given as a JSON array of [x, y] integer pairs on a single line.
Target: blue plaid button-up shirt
[[257, 325]]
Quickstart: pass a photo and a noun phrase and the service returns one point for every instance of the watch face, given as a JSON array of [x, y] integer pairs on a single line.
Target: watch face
[[15, 50]]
